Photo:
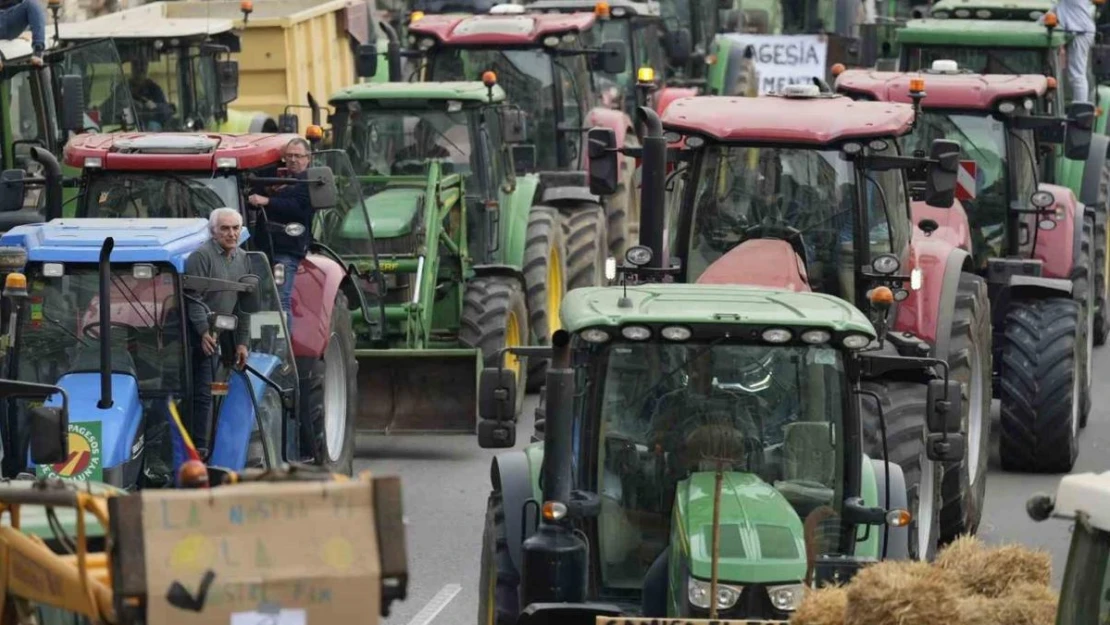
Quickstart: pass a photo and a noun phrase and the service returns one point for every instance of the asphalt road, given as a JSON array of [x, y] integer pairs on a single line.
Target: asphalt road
[[446, 482]]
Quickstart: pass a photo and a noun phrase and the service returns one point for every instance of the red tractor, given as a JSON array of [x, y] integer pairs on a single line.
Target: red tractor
[[808, 191], [1032, 241], [178, 175]]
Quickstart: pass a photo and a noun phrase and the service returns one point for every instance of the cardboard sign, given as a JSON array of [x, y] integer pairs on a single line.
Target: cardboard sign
[[84, 462], [628, 620], [782, 60], [292, 553]]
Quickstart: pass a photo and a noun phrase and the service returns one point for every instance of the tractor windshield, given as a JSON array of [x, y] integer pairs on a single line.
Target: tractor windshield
[[391, 142], [59, 329], [174, 91], [744, 193], [772, 416], [979, 60], [156, 195], [108, 102]]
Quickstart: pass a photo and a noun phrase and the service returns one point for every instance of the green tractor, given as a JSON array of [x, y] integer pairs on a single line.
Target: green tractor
[[1000, 37], [703, 455], [473, 260]]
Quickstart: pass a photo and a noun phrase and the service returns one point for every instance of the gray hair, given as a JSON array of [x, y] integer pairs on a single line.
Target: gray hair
[[301, 141], [214, 217]]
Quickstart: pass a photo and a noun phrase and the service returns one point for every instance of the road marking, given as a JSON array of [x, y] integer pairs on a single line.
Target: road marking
[[436, 605]]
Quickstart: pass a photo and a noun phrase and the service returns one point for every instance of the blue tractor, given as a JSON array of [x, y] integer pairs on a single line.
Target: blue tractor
[[98, 309]]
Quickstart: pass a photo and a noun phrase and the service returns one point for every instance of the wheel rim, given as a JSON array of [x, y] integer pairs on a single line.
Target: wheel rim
[[926, 495], [512, 339], [554, 292], [335, 399], [974, 413]]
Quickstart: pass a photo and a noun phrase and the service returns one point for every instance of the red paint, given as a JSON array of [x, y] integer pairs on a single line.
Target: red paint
[[486, 30], [967, 181], [920, 312], [963, 91], [252, 151], [618, 121], [1056, 247], [817, 121], [137, 303], [314, 289], [759, 262], [666, 95], [952, 221]]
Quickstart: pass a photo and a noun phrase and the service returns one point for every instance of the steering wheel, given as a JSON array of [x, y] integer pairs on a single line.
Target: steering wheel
[[87, 333], [409, 167]]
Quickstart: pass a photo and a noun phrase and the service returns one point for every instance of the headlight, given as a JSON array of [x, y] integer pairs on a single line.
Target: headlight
[[1006, 108], [816, 337], [1042, 199], [675, 333], [697, 592], [885, 264], [594, 335], [636, 333], [786, 598], [12, 257], [777, 335], [856, 341]]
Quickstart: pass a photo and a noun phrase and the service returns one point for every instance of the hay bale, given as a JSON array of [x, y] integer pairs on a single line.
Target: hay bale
[[903, 593], [994, 571], [1027, 604], [822, 606]]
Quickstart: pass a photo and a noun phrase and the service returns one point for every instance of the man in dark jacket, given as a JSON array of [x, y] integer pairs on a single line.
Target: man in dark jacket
[[17, 16], [289, 204]]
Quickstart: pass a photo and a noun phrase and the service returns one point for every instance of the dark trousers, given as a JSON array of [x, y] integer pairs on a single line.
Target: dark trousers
[[204, 370], [654, 601]]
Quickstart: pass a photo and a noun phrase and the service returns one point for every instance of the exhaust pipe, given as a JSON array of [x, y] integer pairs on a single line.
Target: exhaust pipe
[[52, 172], [105, 325], [393, 52], [654, 177]]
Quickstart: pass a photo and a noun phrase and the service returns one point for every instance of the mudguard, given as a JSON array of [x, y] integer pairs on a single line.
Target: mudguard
[[318, 279], [927, 312], [759, 262], [899, 546], [514, 220], [665, 96], [557, 196], [1059, 247], [511, 473], [953, 223], [236, 420], [1033, 287], [118, 425]]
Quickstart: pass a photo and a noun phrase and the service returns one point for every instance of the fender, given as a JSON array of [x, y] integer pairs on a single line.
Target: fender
[[899, 546], [236, 421], [1059, 247], [1092, 171], [927, 312], [318, 279], [560, 196], [1033, 287], [513, 222], [953, 223], [511, 474], [665, 96], [508, 271], [759, 262]]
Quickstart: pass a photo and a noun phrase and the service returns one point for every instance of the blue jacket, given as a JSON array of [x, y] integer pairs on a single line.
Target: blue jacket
[[290, 205]]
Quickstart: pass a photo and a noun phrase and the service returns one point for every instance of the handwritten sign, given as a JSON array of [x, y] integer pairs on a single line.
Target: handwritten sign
[[288, 551], [608, 620], [782, 60]]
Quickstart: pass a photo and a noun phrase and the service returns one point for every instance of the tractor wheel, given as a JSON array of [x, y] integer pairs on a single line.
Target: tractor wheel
[[545, 270], [498, 598], [585, 229], [619, 207], [1039, 386], [1101, 261], [903, 405], [1084, 295], [969, 361], [495, 316], [329, 397]]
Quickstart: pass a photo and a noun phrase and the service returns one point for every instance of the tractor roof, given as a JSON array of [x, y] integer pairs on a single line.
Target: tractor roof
[[944, 91], [1088, 493], [505, 30], [710, 304], [177, 151], [979, 33], [149, 21], [136, 240], [406, 92], [991, 9], [816, 121], [617, 8]]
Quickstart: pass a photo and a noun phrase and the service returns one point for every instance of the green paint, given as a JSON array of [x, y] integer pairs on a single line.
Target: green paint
[[979, 33], [392, 212], [194, 516], [261, 555], [85, 461], [700, 303], [869, 492]]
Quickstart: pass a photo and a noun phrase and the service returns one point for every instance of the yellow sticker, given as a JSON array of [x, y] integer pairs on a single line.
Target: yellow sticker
[[389, 266]]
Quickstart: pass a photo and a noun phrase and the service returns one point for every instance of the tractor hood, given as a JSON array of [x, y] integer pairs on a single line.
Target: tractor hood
[[762, 539], [393, 213]]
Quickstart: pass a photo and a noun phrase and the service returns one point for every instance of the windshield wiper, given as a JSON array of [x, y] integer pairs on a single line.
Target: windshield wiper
[[132, 300], [67, 330]]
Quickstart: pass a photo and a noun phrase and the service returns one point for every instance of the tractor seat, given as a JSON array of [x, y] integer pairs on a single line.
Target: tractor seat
[[809, 465]]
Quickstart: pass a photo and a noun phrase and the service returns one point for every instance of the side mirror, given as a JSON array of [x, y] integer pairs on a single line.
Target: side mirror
[[249, 301], [49, 435], [1077, 139], [603, 161], [228, 72], [222, 322], [11, 190], [613, 57], [680, 45], [497, 394], [940, 182], [322, 191], [366, 61], [943, 414], [73, 103], [513, 123], [944, 448], [1100, 61], [524, 159], [288, 123]]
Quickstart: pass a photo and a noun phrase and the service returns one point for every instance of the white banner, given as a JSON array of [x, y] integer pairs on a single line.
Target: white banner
[[782, 60]]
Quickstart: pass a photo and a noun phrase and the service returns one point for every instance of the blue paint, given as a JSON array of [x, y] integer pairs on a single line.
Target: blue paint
[[119, 424], [237, 421], [136, 240]]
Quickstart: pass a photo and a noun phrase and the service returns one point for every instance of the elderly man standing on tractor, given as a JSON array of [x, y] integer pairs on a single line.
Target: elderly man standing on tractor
[[17, 16], [220, 259], [1075, 18], [287, 205]]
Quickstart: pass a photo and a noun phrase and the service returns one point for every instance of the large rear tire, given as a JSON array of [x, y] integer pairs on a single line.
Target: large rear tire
[[1102, 315], [545, 270], [498, 597], [969, 361], [620, 207], [329, 396], [1083, 293], [494, 317], [903, 409], [585, 228], [1039, 386]]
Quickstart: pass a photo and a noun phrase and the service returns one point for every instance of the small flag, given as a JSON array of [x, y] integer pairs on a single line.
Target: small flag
[[190, 448]]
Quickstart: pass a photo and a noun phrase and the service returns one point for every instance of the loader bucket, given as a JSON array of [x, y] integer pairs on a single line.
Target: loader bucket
[[418, 391]]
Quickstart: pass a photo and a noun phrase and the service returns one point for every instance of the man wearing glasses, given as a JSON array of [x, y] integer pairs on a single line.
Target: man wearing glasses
[[286, 205]]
